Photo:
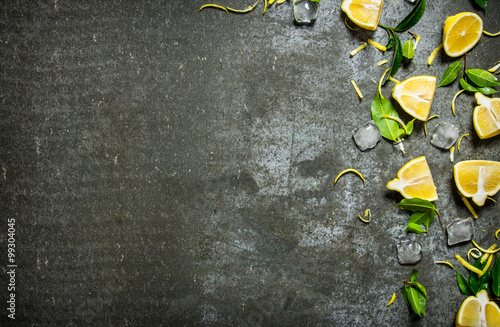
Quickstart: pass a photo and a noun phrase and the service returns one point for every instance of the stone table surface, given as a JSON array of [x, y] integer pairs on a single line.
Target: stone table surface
[[170, 167]]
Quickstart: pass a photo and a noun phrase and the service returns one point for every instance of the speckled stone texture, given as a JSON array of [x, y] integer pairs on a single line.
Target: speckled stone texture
[[170, 167]]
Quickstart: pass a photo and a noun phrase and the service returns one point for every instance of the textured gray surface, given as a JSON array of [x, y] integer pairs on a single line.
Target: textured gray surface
[[173, 167]]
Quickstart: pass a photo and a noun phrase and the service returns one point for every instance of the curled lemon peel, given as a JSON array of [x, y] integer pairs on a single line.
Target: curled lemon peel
[[460, 140], [382, 62], [468, 265], [496, 234], [490, 250], [358, 49], [210, 5], [445, 263], [358, 91], [495, 68], [425, 123], [469, 206], [453, 101], [391, 301], [398, 120], [470, 253], [392, 79], [434, 54], [349, 27], [491, 34], [452, 153], [249, 9], [485, 269], [380, 82], [265, 7], [347, 171], [368, 214], [377, 45], [280, 1], [490, 198]]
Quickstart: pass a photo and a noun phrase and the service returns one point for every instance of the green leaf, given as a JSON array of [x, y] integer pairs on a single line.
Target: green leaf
[[420, 288], [416, 204], [486, 90], [451, 73], [397, 57], [414, 228], [422, 301], [387, 127], [414, 300], [479, 283], [405, 294], [466, 86], [412, 18], [423, 218], [482, 4], [414, 275], [409, 126], [482, 77], [392, 40], [495, 274], [464, 285], [408, 51]]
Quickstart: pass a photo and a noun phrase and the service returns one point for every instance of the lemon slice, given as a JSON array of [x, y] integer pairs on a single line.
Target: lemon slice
[[478, 311], [364, 13], [487, 116], [461, 33], [477, 179], [415, 181], [415, 95]]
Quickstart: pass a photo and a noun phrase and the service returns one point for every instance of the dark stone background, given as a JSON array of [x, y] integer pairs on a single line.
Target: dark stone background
[[169, 167]]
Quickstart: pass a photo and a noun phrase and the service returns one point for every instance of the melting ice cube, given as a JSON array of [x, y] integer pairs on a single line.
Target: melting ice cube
[[409, 252], [444, 135], [460, 230], [366, 136], [305, 11]]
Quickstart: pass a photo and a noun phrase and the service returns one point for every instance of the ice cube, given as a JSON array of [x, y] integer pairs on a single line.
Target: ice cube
[[305, 11], [445, 135], [460, 230], [366, 136], [409, 252]]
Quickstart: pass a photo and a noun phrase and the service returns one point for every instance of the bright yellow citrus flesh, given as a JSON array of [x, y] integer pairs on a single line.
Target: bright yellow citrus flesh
[[477, 179], [364, 13], [487, 116], [461, 33], [478, 311], [415, 95], [415, 181]]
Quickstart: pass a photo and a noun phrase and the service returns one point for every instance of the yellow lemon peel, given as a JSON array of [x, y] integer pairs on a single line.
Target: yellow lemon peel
[[490, 250], [452, 153], [382, 62], [468, 265], [469, 206], [368, 214], [280, 1], [249, 9], [391, 301], [490, 198], [377, 45], [445, 263], [417, 39], [358, 49], [349, 27], [425, 123], [453, 101], [210, 5], [434, 54], [495, 68], [470, 253], [460, 140], [485, 269], [358, 91], [349, 170], [491, 34], [265, 7]]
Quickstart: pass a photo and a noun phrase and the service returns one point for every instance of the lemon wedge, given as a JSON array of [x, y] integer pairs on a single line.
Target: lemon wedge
[[415, 95], [415, 181], [486, 116], [364, 13], [478, 311], [477, 179], [461, 33]]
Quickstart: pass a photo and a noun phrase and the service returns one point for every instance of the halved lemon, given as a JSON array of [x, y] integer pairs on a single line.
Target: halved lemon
[[364, 13], [415, 181], [477, 179], [415, 95], [461, 33], [478, 311], [487, 116]]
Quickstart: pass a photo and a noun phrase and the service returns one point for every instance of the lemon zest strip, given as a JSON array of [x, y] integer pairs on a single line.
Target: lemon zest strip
[[434, 54], [210, 5], [425, 123], [391, 301], [358, 49], [469, 206], [398, 120], [345, 22], [265, 7], [490, 250], [445, 262], [460, 140], [368, 214], [468, 265], [380, 82], [470, 253], [496, 233], [491, 34], [382, 62], [485, 269], [349, 170], [377, 45], [271, 2], [250, 8], [358, 91], [453, 101], [489, 198], [495, 68], [484, 257], [452, 153], [280, 1]]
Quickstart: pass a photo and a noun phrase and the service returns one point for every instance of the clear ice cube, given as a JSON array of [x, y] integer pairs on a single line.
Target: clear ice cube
[[460, 230], [445, 135], [409, 252], [366, 136], [305, 11]]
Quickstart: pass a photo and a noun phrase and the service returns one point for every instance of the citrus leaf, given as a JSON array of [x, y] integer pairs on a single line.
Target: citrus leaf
[[482, 77], [412, 18], [486, 90], [425, 218], [495, 274], [408, 51], [387, 127], [466, 86], [464, 285], [397, 58], [414, 228], [420, 288], [414, 301], [451, 73], [482, 4], [414, 275], [409, 126], [416, 204], [422, 301], [479, 283], [405, 294]]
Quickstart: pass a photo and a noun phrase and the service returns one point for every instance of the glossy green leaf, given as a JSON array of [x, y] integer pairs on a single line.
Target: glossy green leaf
[[414, 300], [412, 18], [482, 77], [397, 57], [387, 127], [414, 228], [423, 218], [479, 283], [420, 288], [451, 73], [416, 204], [409, 126], [466, 86], [422, 301], [414, 275], [408, 51], [486, 90], [495, 275], [464, 285], [405, 294], [482, 4]]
